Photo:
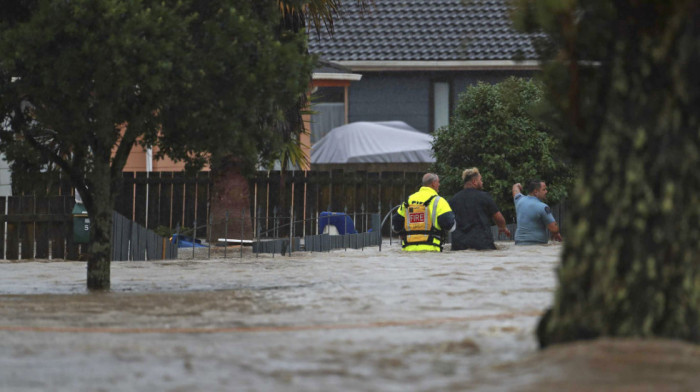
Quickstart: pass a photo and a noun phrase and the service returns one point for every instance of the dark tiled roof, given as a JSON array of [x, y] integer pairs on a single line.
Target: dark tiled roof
[[420, 30]]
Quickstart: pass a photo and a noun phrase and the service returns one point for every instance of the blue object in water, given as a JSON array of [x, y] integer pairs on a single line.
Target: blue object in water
[[340, 220], [185, 242]]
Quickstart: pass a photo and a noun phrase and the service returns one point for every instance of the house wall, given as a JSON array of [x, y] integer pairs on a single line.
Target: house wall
[[388, 96], [136, 162], [406, 96]]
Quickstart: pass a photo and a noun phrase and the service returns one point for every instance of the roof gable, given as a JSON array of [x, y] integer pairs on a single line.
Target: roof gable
[[424, 30]]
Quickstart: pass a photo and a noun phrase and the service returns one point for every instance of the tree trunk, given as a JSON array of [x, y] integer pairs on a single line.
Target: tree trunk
[[100, 206], [230, 194], [631, 260]]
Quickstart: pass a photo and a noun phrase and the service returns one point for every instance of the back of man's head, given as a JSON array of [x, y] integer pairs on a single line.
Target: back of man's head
[[532, 185], [469, 174], [429, 178]]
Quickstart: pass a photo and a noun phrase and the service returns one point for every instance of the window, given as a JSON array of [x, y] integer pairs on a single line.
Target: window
[[328, 105], [441, 104]]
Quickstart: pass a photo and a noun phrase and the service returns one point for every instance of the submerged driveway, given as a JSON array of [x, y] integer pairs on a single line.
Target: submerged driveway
[[344, 320]]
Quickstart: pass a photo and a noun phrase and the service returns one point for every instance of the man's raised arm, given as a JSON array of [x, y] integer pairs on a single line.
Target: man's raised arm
[[517, 188]]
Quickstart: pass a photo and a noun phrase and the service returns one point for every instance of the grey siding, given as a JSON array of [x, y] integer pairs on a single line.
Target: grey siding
[[391, 96], [405, 96]]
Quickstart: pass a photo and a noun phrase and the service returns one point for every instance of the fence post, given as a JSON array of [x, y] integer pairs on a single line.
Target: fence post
[[258, 230], [274, 223], [225, 233], [194, 236], [274, 228], [211, 223], [291, 230], [330, 217], [391, 222], [329, 222], [177, 238], [364, 218], [354, 216], [362, 210], [242, 220], [380, 226]]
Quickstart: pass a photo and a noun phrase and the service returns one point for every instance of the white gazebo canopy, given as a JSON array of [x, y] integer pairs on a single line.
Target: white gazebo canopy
[[373, 142]]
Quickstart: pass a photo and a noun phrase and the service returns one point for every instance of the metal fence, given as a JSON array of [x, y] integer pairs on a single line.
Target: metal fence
[[131, 241], [277, 235]]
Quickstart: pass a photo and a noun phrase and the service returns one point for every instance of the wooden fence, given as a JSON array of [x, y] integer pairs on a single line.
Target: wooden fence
[[37, 228], [42, 228], [164, 199]]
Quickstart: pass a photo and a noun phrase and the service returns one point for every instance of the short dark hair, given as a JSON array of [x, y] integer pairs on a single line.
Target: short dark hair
[[532, 185]]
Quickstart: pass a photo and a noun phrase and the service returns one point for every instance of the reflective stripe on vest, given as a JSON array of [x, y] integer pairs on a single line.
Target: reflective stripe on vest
[[413, 220]]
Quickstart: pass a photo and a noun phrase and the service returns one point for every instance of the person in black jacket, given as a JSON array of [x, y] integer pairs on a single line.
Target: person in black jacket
[[474, 209]]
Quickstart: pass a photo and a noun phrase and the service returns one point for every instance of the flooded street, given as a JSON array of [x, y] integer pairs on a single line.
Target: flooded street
[[344, 320]]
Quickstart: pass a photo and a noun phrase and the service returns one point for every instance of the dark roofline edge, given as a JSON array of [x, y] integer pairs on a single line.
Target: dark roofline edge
[[470, 65]]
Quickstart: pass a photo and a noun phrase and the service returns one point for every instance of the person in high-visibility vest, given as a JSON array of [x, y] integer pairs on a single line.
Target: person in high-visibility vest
[[424, 220]]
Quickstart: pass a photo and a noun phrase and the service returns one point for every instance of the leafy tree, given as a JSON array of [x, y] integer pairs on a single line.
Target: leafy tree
[[622, 78], [297, 15], [200, 79], [494, 129], [32, 173]]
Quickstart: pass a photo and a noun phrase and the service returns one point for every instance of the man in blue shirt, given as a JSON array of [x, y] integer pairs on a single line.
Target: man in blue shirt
[[534, 217]]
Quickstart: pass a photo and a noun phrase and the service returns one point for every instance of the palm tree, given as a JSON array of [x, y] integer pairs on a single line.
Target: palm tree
[[296, 15], [321, 13]]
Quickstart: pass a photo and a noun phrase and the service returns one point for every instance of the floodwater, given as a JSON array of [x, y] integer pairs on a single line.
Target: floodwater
[[355, 320]]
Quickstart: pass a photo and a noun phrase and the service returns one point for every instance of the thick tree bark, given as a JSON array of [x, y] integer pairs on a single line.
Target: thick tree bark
[[631, 261], [100, 205], [230, 193]]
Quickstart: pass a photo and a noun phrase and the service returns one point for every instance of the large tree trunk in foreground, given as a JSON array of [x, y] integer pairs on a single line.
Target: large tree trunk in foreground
[[631, 261]]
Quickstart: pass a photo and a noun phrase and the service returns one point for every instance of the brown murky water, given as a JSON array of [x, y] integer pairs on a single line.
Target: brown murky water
[[355, 320]]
